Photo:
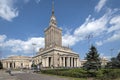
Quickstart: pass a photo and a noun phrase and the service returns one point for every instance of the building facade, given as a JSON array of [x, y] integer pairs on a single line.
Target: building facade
[[103, 61], [17, 62], [54, 54]]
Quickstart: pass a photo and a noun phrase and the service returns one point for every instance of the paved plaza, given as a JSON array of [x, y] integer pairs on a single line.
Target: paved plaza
[[6, 76], [19, 75]]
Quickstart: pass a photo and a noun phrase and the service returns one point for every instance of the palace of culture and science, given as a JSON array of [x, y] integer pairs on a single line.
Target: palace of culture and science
[[53, 55]]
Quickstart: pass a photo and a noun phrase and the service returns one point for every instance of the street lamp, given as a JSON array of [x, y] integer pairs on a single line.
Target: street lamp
[[89, 37], [111, 51], [33, 44]]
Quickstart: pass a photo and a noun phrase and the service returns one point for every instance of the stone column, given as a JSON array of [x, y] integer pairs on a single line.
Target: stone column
[[78, 62], [47, 61], [13, 65], [63, 61], [8, 64], [75, 62], [68, 61], [43, 62], [60, 60], [4, 64]]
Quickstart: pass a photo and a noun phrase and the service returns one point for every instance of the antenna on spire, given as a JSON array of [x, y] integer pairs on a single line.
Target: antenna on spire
[[52, 6]]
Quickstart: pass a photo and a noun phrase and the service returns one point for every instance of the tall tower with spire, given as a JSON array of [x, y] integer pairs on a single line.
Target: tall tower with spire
[[53, 35]]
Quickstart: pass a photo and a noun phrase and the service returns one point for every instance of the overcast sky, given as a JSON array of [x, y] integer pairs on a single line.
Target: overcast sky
[[84, 23]]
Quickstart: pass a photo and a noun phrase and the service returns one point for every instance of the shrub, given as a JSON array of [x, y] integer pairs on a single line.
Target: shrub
[[108, 74], [79, 73], [113, 73], [103, 74], [99, 74]]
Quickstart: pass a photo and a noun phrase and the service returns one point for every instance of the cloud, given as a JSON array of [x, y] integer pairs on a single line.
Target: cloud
[[115, 22], [99, 43], [113, 31], [100, 5], [24, 47], [115, 37], [90, 26], [69, 40], [106, 27], [7, 10], [2, 38]]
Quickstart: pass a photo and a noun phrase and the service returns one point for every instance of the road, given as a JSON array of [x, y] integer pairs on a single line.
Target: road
[[18, 75]]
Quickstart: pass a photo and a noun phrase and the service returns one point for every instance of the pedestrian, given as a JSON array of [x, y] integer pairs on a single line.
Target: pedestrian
[[9, 71], [38, 67]]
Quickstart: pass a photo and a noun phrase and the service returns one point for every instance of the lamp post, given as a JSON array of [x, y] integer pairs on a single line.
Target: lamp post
[[111, 51], [33, 44], [33, 63], [89, 37]]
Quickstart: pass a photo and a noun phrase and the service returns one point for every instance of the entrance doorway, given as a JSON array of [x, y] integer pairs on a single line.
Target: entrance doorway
[[11, 65], [49, 62]]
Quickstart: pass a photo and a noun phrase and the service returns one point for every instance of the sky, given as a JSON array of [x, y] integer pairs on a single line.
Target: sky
[[83, 22]]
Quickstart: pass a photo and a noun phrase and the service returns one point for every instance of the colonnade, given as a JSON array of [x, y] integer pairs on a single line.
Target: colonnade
[[16, 65], [9, 65], [69, 62], [60, 62]]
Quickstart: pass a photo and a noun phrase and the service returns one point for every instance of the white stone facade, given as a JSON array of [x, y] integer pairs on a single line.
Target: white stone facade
[[103, 60], [17, 62], [57, 57]]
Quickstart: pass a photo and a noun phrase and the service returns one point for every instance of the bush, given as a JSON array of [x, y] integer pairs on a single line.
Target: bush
[[78, 73], [108, 74], [113, 73], [99, 74], [103, 74]]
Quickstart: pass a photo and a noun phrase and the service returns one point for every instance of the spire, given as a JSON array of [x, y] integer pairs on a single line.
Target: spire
[[53, 18], [52, 7]]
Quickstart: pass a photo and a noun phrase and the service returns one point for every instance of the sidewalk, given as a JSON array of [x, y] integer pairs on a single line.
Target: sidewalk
[[6, 76]]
